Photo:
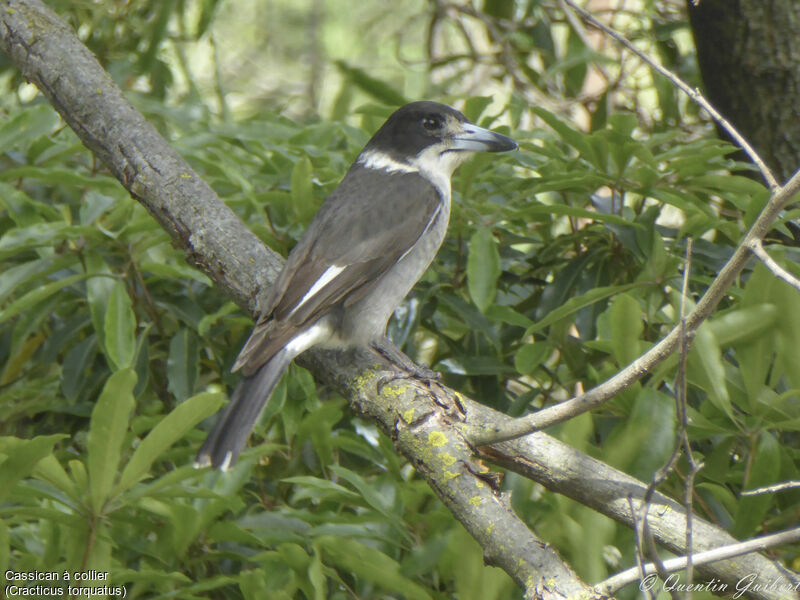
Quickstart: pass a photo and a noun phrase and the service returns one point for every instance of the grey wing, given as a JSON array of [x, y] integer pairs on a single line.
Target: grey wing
[[365, 226]]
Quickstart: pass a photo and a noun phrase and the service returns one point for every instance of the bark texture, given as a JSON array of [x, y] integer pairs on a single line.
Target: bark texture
[[749, 59]]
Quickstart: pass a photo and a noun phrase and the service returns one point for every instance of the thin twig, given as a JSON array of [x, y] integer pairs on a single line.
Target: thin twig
[[688, 496], [672, 565], [693, 93], [757, 248], [683, 420], [770, 489], [638, 534]]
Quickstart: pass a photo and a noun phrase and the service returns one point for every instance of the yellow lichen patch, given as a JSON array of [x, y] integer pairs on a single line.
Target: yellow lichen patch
[[475, 501], [185, 176], [393, 391], [408, 415], [362, 381], [490, 529], [437, 439], [449, 475], [447, 459]]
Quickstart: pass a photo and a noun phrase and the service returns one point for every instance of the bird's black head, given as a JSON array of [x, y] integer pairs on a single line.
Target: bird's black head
[[431, 133]]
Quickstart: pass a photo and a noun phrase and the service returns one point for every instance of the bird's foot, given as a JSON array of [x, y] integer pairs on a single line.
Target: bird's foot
[[405, 367]]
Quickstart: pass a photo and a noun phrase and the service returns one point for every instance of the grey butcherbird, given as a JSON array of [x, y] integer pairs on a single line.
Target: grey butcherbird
[[366, 247]]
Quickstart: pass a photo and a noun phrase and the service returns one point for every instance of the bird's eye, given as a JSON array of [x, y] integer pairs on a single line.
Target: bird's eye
[[432, 122]]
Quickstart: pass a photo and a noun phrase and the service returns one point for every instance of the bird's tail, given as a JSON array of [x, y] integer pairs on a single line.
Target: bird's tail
[[227, 439]]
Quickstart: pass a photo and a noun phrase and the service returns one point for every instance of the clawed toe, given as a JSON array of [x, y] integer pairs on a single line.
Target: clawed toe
[[419, 372]]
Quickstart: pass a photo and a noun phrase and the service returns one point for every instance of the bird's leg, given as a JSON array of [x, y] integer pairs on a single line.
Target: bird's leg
[[394, 356]]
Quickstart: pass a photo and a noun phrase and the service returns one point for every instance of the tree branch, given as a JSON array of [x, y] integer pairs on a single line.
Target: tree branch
[[771, 489], [620, 580], [422, 423], [757, 247]]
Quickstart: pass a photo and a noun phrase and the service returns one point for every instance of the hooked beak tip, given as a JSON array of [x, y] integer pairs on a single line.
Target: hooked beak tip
[[478, 139]]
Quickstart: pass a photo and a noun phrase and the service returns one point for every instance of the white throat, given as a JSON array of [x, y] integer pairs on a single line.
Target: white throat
[[433, 164]]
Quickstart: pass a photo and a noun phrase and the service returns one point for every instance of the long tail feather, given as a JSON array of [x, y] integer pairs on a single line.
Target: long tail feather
[[229, 436]]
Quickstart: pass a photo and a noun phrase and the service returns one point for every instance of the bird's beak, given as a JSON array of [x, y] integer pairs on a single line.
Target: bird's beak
[[477, 139]]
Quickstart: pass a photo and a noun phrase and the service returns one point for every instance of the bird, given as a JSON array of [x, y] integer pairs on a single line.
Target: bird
[[364, 250]]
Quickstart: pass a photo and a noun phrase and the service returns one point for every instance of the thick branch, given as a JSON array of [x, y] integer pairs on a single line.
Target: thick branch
[[49, 54], [422, 421]]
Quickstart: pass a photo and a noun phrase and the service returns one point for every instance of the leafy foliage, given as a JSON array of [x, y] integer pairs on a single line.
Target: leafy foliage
[[564, 262]]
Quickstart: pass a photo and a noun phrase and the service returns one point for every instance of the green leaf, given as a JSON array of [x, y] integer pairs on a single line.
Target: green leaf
[[75, 367], [573, 305], [5, 547], [506, 314], [380, 90], [182, 364], [32, 272], [626, 328], [571, 136], [321, 489], [756, 355], [574, 211], [120, 328], [788, 301], [253, 585], [211, 319], [26, 213], [107, 434], [303, 190], [744, 325], [317, 577], [729, 183], [706, 369], [764, 470], [178, 272], [37, 295], [642, 443], [21, 458], [369, 564], [61, 177], [530, 356], [623, 123], [95, 205], [98, 291], [474, 107], [483, 268], [51, 471], [168, 431], [27, 125], [373, 497]]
